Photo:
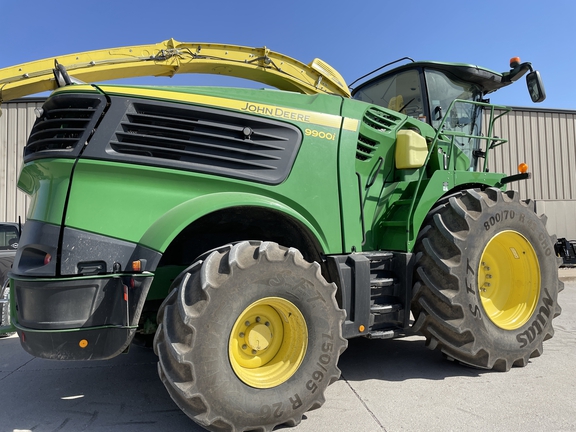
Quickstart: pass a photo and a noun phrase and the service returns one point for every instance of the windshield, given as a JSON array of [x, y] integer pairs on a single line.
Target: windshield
[[400, 92], [464, 118]]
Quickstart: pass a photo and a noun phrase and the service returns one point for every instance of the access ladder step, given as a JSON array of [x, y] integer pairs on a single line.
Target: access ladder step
[[379, 309], [381, 282], [382, 334], [378, 255]]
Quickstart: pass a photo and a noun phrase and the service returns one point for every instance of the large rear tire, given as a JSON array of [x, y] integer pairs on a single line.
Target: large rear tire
[[486, 280], [249, 338]]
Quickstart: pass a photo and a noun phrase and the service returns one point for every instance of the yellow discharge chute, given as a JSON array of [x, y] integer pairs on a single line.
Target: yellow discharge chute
[[167, 59]]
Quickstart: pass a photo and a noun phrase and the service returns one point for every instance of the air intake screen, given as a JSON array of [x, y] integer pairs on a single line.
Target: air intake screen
[[200, 139], [64, 127]]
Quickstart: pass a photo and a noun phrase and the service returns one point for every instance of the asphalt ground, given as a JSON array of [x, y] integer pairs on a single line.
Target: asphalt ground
[[386, 385]]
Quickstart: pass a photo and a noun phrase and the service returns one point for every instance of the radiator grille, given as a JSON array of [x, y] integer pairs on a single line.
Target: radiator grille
[[207, 140]]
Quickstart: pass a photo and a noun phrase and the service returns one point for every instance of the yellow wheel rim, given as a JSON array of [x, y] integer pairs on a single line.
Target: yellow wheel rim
[[268, 342], [509, 280]]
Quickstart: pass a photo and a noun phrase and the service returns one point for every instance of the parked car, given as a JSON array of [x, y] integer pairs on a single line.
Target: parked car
[[9, 237]]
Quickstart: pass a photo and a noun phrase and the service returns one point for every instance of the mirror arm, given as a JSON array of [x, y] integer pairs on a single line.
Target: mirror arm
[[517, 73]]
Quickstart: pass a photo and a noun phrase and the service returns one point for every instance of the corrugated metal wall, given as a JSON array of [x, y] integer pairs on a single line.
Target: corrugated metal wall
[[15, 123], [544, 139]]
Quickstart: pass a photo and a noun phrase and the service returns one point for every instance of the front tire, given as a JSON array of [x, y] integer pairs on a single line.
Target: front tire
[[486, 280], [249, 338]]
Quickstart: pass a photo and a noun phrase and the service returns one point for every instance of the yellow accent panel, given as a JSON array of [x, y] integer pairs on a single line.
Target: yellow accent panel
[[171, 57], [279, 112], [411, 149], [509, 280], [350, 124]]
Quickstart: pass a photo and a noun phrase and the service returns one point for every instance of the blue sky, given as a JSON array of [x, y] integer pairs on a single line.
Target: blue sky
[[354, 37]]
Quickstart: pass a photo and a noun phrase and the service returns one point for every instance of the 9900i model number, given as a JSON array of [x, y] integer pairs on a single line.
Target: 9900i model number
[[320, 134]]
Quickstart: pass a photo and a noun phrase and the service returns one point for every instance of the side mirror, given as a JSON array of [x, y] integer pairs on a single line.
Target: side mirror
[[535, 86]]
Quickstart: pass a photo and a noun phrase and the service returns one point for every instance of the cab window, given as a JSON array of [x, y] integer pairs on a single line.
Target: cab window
[[463, 117], [400, 92]]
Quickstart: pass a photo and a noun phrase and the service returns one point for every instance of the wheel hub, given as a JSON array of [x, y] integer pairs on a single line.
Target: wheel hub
[[509, 280], [258, 337], [268, 342]]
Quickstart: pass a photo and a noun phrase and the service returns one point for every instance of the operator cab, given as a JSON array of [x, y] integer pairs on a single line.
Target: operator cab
[[447, 96], [425, 91]]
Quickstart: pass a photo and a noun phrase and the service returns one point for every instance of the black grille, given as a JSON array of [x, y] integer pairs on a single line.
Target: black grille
[[380, 120], [365, 147], [375, 123], [201, 139], [64, 126]]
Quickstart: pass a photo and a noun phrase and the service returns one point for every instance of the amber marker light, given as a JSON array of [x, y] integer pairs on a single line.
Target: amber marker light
[[523, 168], [83, 343], [514, 61], [361, 328], [137, 266]]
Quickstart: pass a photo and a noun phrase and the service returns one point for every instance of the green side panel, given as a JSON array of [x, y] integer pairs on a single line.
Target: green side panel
[[151, 205], [46, 181], [349, 182], [370, 183], [366, 162], [397, 228]]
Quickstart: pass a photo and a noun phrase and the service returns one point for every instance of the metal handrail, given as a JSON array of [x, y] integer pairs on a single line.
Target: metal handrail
[[452, 134]]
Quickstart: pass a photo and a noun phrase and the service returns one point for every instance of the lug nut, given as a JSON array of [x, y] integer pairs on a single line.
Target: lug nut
[[242, 335], [244, 346]]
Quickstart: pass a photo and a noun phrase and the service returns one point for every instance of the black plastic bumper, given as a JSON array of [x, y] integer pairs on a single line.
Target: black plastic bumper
[[85, 318], [83, 344]]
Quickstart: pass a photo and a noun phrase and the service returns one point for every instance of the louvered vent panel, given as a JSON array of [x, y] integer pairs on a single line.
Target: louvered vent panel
[[365, 147], [380, 120], [206, 140], [65, 124], [377, 120]]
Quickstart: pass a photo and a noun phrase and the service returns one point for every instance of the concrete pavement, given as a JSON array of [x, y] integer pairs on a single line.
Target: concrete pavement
[[387, 385]]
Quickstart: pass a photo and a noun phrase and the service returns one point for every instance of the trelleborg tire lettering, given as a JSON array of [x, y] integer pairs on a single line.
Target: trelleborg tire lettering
[[249, 338], [486, 280]]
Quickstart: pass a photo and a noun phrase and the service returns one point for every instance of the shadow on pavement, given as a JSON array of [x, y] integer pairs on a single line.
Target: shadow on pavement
[[398, 360]]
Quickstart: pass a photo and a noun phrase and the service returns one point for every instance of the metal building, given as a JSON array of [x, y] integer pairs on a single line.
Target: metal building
[[16, 122], [545, 139]]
